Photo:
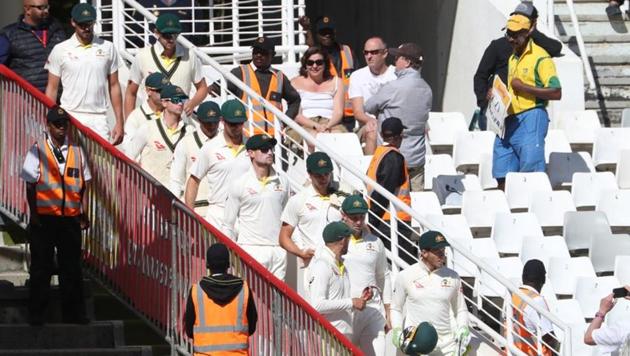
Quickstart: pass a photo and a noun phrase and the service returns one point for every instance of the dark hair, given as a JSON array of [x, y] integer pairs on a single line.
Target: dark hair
[[316, 50]]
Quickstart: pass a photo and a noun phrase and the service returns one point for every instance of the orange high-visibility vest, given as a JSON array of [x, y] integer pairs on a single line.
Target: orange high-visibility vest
[[401, 192], [58, 194], [347, 66], [220, 330], [523, 339], [261, 119]]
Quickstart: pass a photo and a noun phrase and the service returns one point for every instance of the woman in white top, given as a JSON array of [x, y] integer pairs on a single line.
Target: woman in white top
[[321, 94]]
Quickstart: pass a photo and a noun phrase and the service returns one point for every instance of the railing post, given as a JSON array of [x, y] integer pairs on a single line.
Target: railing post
[[172, 330], [393, 234], [235, 26], [118, 30], [288, 29]]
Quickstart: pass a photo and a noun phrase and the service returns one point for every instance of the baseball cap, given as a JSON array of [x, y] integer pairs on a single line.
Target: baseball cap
[[233, 111], [354, 204], [419, 340], [209, 112], [217, 257], [526, 8], [264, 43], [168, 23], [318, 163], [156, 81], [56, 114], [392, 126], [260, 141], [83, 12], [324, 22], [407, 50], [170, 91], [432, 240], [336, 231], [517, 23]]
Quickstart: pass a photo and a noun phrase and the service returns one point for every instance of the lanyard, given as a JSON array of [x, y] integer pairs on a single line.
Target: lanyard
[[44, 39]]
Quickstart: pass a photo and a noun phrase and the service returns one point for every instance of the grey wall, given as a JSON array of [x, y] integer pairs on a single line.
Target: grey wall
[[426, 22], [11, 9]]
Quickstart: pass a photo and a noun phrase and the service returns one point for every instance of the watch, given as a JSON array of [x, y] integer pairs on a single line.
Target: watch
[[600, 315]]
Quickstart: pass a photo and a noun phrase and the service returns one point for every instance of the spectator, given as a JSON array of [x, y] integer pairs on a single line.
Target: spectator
[[341, 62], [87, 68], [532, 80], [329, 285], [389, 169], [270, 83], [611, 339], [409, 99], [524, 315], [429, 291], [188, 150], [614, 8], [366, 82], [367, 267], [321, 96], [152, 108], [220, 159], [26, 44], [495, 59], [57, 218], [178, 64], [256, 200], [217, 301]]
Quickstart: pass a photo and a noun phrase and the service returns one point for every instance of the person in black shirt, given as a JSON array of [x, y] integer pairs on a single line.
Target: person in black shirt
[[495, 59]]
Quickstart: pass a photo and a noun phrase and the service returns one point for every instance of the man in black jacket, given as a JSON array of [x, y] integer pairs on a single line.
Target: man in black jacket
[[26, 44], [495, 59]]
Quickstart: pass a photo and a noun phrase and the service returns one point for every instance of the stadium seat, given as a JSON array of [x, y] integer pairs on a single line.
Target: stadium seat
[[452, 226], [348, 180], [509, 229], [604, 247], [481, 247], [625, 117], [435, 165], [297, 171], [590, 290], [480, 207], [424, 203], [616, 205], [608, 143], [468, 148], [486, 179], [509, 267], [620, 313], [568, 310], [579, 126], [549, 208], [581, 226], [556, 141], [344, 144], [622, 269], [543, 248], [562, 165], [622, 171], [443, 127], [563, 273], [586, 187], [519, 188]]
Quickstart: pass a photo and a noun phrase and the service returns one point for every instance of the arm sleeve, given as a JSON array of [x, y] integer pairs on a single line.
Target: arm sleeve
[[87, 174], [389, 175], [197, 68], [553, 47], [252, 313], [547, 73], [399, 295], [136, 144], [383, 278], [53, 64], [291, 96], [201, 166], [458, 305], [189, 315], [290, 212], [375, 104], [320, 275], [135, 75], [115, 60], [354, 89], [5, 49], [232, 205], [486, 68], [178, 170]]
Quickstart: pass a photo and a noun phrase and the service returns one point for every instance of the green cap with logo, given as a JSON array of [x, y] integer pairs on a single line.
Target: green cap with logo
[[431, 240], [336, 231], [319, 163], [260, 141], [233, 111], [170, 91], [168, 23], [420, 340], [156, 81], [83, 12], [354, 204], [209, 112]]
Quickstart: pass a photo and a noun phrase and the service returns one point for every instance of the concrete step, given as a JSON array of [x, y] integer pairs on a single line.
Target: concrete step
[[119, 351], [102, 334], [607, 116], [591, 32], [612, 94], [585, 11], [605, 53], [12, 258]]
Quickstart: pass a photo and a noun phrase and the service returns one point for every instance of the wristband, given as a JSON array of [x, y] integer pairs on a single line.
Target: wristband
[[600, 315]]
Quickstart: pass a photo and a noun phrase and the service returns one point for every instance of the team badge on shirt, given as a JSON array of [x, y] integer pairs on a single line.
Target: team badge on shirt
[[370, 247], [417, 284], [310, 207], [219, 156], [251, 191], [445, 283], [159, 146]]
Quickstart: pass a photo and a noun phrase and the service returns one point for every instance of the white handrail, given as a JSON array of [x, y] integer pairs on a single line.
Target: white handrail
[[396, 203], [580, 43]]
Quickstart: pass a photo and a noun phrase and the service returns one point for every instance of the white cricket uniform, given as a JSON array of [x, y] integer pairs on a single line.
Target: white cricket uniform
[[257, 205], [138, 117], [152, 146], [220, 163], [30, 169], [185, 155], [430, 296], [329, 289], [84, 71], [367, 267]]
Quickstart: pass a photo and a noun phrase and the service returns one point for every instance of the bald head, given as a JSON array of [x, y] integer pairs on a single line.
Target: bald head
[[35, 11], [375, 52]]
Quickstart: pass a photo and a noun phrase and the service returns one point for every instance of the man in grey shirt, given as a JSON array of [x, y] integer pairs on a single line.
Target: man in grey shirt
[[409, 98]]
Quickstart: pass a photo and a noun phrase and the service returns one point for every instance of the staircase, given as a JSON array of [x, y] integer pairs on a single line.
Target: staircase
[[607, 42]]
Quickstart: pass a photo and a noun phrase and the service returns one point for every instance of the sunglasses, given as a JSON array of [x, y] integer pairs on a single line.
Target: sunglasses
[[232, 124], [60, 123], [39, 7], [319, 62], [85, 25], [170, 36], [514, 35], [177, 100], [266, 149], [373, 52]]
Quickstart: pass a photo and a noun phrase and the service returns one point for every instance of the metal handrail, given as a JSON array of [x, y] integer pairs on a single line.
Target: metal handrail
[[580, 43]]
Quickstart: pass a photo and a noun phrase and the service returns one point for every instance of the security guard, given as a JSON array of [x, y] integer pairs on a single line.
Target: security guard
[[151, 109], [220, 311], [428, 291], [367, 266], [56, 174]]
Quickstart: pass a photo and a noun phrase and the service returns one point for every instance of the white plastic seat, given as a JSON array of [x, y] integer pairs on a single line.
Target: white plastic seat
[[468, 148], [608, 143], [344, 144], [562, 166], [568, 310], [480, 207], [297, 172], [580, 227], [586, 187], [589, 291], [556, 141], [620, 313], [622, 269], [452, 226], [563, 273], [481, 247], [444, 126], [424, 203], [616, 205], [509, 228], [543, 248], [509, 267], [519, 188], [486, 179], [579, 126], [625, 117], [623, 170], [550, 207], [435, 165], [349, 180], [604, 247]]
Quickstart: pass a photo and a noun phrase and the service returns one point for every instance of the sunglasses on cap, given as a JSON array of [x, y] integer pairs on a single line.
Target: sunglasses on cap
[[319, 62], [177, 100]]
